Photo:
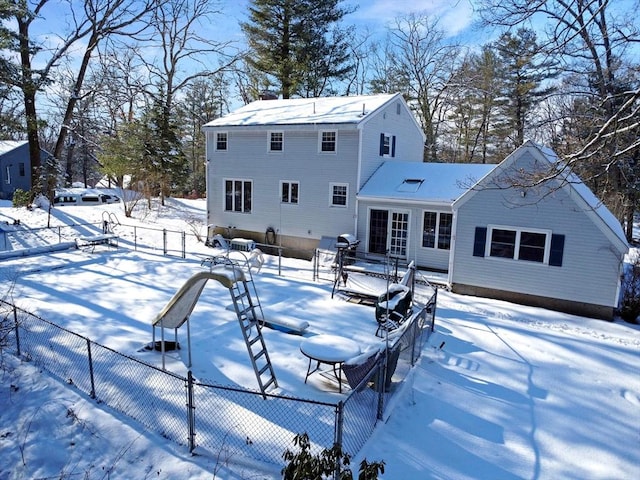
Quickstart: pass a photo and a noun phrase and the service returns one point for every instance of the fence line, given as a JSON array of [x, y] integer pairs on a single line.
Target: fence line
[[221, 420]]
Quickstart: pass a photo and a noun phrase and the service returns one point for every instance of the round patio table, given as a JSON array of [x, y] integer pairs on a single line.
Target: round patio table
[[331, 350]]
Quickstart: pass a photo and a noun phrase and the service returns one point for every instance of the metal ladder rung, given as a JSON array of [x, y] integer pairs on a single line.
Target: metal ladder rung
[[269, 382], [248, 318]]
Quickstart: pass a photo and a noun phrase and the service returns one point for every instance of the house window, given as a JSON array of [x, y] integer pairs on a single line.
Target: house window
[[436, 230], [8, 175], [221, 141], [517, 244], [289, 192], [237, 195], [276, 141], [328, 142], [21, 168], [339, 194], [387, 145]]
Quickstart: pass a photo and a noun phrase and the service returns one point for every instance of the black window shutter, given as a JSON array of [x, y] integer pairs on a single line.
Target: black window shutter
[[381, 144], [393, 146], [557, 249], [479, 241]]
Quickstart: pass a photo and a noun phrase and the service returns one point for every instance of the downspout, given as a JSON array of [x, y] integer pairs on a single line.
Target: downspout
[[208, 182], [358, 180], [454, 230]]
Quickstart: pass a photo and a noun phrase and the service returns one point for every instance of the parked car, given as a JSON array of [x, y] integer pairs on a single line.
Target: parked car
[[85, 198]]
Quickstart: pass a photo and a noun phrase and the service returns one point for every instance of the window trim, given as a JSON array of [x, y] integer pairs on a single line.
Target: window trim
[[332, 185], [226, 141], [387, 151], [289, 183], [233, 195], [321, 142], [516, 253], [270, 141], [436, 238]]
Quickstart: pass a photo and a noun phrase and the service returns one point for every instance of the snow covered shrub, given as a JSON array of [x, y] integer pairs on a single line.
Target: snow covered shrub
[[303, 465], [630, 301], [21, 198]]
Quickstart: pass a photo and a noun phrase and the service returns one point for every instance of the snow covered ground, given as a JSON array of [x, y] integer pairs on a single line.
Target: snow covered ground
[[502, 391]]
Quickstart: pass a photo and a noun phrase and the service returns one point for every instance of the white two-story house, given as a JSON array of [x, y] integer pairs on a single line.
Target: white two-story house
[[288, 171]]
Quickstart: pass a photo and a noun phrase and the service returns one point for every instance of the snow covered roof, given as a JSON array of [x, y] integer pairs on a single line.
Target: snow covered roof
[[422, 182], [305, 111], [8, 145]]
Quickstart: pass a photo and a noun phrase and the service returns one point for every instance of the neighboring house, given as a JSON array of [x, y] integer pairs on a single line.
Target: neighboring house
[[311, 168], [293, 167], [15, 167]]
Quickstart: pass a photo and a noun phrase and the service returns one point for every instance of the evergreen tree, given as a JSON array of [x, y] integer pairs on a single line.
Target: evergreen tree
[[523, 77], [298, 43]]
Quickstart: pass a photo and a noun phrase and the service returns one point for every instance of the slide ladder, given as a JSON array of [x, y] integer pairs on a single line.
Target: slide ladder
[[249, 314]]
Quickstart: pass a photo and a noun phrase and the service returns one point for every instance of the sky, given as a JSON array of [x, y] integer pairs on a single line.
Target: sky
[[501, 391]]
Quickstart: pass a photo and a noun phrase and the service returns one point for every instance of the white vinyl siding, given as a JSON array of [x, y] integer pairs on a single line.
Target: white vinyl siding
[[300, 162]]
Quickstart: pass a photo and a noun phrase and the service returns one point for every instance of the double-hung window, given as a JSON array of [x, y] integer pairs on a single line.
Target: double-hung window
[[436, 230], [237, 195], [221, 141], [519, 244], [289, 192], [276, 141], [338, 194], [328, 141]]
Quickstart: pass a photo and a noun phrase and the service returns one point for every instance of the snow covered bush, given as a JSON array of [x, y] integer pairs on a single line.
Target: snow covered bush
[[304, 465]]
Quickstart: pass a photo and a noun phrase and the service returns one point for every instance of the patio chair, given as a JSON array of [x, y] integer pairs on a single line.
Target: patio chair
[[358, 368]]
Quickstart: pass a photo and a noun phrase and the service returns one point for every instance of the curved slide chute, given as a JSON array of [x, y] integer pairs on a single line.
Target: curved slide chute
[[176, 313]]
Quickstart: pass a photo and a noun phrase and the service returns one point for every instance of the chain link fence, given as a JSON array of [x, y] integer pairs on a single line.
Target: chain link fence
[[224, 421]]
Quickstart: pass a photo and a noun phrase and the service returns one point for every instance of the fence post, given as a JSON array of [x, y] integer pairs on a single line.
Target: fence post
[[15, 321], [279, 261], [92, 394], [135, 238], [433, 310], [164, 241], [184, 244], [190, 413], [382, 378], [337, 435]]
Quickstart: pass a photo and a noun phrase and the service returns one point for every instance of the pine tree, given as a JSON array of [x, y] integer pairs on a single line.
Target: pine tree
[[298, 43], [523, 76]]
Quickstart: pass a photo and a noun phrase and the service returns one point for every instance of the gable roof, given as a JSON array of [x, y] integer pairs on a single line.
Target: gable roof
[[422, 182], [578, 190], [305, 111], [8, 145]]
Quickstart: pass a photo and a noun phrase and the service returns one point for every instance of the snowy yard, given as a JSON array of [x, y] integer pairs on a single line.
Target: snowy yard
[[501, 391]]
